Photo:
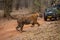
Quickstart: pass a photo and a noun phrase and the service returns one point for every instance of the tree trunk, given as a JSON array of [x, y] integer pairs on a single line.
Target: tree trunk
[[26, 3], [18, 5], [7, 7]]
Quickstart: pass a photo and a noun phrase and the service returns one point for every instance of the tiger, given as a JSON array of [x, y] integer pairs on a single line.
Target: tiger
[[25, 20]]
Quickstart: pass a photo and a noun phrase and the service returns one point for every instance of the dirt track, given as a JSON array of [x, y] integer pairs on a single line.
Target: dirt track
[[43, 32]]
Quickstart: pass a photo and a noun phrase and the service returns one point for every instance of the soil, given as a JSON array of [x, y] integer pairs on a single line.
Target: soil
[[48, 30]]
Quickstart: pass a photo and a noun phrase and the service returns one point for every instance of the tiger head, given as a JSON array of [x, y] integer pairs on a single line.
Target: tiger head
[[35, 14]]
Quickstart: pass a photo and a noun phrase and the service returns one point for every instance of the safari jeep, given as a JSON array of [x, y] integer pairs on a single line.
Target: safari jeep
[[50, 13]]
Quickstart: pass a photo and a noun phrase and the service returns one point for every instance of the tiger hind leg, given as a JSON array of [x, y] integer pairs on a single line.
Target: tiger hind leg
[[20, 28], [17, 28]]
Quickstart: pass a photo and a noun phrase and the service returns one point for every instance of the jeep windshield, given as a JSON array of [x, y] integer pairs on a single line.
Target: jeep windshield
[[50, 11]]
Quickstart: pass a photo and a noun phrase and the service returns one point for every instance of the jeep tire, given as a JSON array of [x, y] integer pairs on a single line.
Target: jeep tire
[[45, 18]]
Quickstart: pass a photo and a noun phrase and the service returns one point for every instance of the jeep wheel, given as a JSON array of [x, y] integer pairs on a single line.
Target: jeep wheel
[[55, 18], [45, 18]]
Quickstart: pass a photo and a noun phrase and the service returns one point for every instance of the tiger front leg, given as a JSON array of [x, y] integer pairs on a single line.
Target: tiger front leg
[[37, 23], [32, 25]]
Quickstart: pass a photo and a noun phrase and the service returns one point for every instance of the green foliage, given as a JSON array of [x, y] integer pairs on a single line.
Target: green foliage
[[37, 5], [58, 11]]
